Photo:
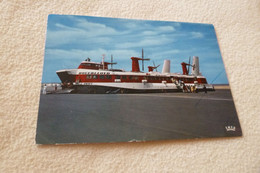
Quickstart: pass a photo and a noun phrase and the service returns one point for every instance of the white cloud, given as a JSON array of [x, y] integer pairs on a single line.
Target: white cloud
[[77, 54], [84, 31], [74, 36], [158, 30], [146, 42], [166, 28], [176, 24], [197, 35], [135, 24], [150, 33], [66, 28], [95, 29], [168, 53], [131, 25]]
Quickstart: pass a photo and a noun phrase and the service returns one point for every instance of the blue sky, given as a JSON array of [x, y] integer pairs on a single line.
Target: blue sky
[[71, 39]]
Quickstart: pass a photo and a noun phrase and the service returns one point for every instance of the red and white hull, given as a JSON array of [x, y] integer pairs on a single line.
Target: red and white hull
[[99, 81], [93, 77]]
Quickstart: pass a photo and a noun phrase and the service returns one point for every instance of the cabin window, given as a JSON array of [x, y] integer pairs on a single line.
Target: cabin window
[[95, 76], [88, 76], [124, 77], [136, 78], [130, 77], [101, 77], [108, 76], [117, 77]]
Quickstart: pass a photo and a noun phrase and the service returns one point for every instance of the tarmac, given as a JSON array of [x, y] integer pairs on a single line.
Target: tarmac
[[95, 118]]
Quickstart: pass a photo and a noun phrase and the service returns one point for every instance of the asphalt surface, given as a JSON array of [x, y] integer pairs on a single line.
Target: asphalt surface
[[93, 118]]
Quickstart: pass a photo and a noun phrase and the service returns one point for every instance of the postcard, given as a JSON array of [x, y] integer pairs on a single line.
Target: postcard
[[124, 80]]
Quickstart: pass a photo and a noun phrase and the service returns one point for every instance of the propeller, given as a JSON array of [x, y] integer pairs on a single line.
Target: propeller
[[155, 67]]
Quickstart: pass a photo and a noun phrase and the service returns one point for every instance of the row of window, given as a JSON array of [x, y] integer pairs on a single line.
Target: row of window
[[93, 73], [92, 65], [126, 77], [138, 78], [100, 77], [186, 79]]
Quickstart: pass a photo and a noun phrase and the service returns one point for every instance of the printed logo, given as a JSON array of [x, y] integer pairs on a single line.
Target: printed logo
[[230, 128]]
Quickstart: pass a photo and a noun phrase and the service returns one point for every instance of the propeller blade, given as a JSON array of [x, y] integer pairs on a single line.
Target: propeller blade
[[155, 67]]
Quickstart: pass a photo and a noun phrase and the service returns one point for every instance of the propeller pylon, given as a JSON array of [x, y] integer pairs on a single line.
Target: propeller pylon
[[143, 59], [189, 66]]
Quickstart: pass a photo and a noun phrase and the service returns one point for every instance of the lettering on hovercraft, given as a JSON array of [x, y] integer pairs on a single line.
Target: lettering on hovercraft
[[94, 73]]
